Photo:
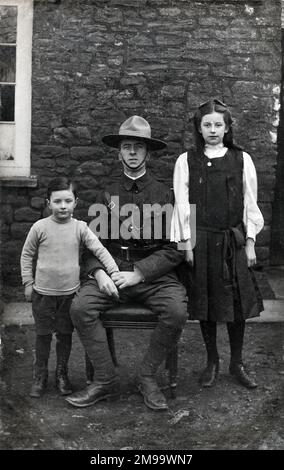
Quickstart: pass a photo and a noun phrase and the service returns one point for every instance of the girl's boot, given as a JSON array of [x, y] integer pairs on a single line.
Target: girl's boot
[[210, 373], [63, 350], [42, 351], [236, 332]]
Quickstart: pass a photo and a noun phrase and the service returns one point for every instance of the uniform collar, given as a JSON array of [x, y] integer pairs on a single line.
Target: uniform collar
[[140, 182]]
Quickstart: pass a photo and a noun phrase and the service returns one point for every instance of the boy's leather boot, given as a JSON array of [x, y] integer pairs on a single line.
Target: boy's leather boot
[[42, 351], [63, 349], [39, 385], [62, 381]]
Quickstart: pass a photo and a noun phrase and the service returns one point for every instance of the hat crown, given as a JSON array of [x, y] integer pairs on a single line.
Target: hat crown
[[135, 126]]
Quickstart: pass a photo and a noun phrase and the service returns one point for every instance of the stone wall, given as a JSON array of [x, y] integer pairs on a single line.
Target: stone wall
[[95, 63], [277, 233]]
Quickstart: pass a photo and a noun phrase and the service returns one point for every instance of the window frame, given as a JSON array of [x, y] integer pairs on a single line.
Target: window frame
[[21, 165]]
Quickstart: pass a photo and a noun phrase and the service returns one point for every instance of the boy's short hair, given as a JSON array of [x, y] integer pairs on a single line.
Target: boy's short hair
[[60, 183]]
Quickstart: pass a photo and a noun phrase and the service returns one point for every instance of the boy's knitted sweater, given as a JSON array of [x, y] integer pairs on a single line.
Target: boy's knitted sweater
[[56, 245]]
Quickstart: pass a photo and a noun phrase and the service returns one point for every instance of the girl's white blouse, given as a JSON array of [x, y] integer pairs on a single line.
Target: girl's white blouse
[[180, 224]]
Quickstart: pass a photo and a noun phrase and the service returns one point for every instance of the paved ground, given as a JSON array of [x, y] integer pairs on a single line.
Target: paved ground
[[226, 417]]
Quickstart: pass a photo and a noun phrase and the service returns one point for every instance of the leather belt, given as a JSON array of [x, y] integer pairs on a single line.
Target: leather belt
[[128, 253]]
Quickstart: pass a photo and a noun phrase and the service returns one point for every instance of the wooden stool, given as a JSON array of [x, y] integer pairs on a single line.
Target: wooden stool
[[133, 316]]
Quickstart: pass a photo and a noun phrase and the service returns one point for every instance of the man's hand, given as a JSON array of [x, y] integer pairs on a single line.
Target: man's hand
[[106, 284], [28, 292], [250, 252], [124, 279]]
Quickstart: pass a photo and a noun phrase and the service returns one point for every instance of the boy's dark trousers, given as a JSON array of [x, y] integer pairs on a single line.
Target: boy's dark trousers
[[42, 351], [51, 313]]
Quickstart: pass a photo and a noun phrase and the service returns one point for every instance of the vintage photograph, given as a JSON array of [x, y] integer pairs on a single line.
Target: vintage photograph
[[142, 228]]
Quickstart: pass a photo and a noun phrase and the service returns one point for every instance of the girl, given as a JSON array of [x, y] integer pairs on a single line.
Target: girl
[[55, 241], [220, 179]]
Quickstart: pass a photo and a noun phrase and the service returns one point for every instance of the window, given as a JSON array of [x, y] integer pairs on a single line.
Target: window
[[16, 18]]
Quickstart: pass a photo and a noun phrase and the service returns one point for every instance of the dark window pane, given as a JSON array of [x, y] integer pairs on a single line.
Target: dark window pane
[[7, 102], [8, 24], [7, 63]]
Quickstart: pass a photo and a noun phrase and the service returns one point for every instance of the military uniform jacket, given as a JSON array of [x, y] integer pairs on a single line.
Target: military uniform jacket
[[135, 226]]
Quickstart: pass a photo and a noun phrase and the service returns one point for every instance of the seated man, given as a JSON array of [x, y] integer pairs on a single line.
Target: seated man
[[147, 270]]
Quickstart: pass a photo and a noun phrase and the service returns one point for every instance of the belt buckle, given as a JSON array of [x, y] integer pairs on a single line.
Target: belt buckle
[[125, 253]]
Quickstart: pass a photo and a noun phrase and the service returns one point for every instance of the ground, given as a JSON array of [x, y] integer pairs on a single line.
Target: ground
[[227, 416]]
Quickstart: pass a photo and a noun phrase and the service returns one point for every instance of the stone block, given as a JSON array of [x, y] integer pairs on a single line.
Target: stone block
[[49, 151], [264, 236], [66, 162], [13, 197], [41, 135], [72, 136], [19, 230], [215, 21], [89, 195], [266, 63], [262, 253], [172, 12], [83, 153], [37, 202], [11, 251], [39, 163], [6, 213], [214, 57], [170, 39], [173, 92], [4, 230], [93, 168], [266, 210], [26, 214]]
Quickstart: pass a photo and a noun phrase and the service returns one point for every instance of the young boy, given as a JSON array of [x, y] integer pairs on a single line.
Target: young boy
[[55, 242]]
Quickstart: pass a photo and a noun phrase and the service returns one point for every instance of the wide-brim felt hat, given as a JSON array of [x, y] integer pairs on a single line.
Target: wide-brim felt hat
[[134, 127]]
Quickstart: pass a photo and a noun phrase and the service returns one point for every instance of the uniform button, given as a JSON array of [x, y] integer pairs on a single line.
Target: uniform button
[[209, 164]]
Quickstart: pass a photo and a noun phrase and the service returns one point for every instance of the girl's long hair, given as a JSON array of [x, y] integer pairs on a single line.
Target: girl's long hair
[[211, 106]]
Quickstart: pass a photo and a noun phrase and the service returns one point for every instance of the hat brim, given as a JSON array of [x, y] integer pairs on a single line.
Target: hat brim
[[113, 140]]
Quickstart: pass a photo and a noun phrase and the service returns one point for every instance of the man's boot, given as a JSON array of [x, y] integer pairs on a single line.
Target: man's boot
[[236, 331], [163, 339], [210, 373], [95, 392], [105, 384], [63, 350], [42, 351]]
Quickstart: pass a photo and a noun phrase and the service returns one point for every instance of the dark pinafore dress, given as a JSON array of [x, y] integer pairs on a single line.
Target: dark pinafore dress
[[223, 288]]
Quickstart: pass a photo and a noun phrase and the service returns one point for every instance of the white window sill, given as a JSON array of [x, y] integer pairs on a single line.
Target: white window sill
[[18, 181]]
